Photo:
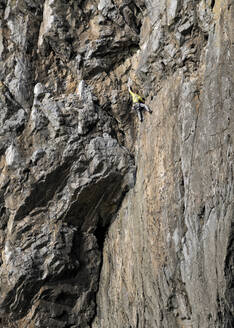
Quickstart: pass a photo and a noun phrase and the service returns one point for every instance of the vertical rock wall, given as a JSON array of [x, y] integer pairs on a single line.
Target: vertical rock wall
[[106, 222], [63, 164], [168, 258]]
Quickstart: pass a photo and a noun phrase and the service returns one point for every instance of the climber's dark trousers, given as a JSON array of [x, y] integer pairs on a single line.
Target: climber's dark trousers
[[139, 107]]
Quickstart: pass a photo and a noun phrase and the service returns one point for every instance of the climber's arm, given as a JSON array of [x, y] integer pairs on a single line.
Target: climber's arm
[[135, 96], [140, 98], [130, 91]]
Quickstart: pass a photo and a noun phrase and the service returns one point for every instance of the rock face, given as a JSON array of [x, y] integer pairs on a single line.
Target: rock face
[[106, 222]]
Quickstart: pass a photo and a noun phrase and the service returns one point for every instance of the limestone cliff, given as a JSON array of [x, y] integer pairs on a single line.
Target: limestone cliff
[[106, 222]]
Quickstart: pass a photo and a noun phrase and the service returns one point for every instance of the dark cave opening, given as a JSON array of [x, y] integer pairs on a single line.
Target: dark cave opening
[[212, 4], [100, 234]]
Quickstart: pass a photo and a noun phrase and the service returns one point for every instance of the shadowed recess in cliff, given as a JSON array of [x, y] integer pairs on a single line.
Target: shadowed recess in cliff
[[92, 199], [43, 191]]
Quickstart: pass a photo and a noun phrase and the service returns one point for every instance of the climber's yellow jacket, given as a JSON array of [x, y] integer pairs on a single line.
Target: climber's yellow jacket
[[135, 97]]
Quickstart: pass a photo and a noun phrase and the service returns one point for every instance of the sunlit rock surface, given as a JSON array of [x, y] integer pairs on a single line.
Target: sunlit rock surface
[[106, 222]]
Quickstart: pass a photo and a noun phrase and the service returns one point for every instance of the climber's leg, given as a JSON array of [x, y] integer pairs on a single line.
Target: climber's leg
[[137, 108], [139, 113], [146, 107]]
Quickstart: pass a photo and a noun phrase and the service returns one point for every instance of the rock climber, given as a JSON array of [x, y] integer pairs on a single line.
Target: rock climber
[[138, 103]]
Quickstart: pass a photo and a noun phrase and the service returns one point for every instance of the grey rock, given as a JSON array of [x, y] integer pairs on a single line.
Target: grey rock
[[172, 10], [12, 116], [163, 250], [105, 222], [205, 16], [39, 90], [12, 157], [85, 93], [37, 155], [16, 122], [185, 27], [77, 182]]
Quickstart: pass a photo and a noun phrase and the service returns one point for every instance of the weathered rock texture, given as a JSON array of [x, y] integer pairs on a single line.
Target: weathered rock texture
[[106, 222]]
